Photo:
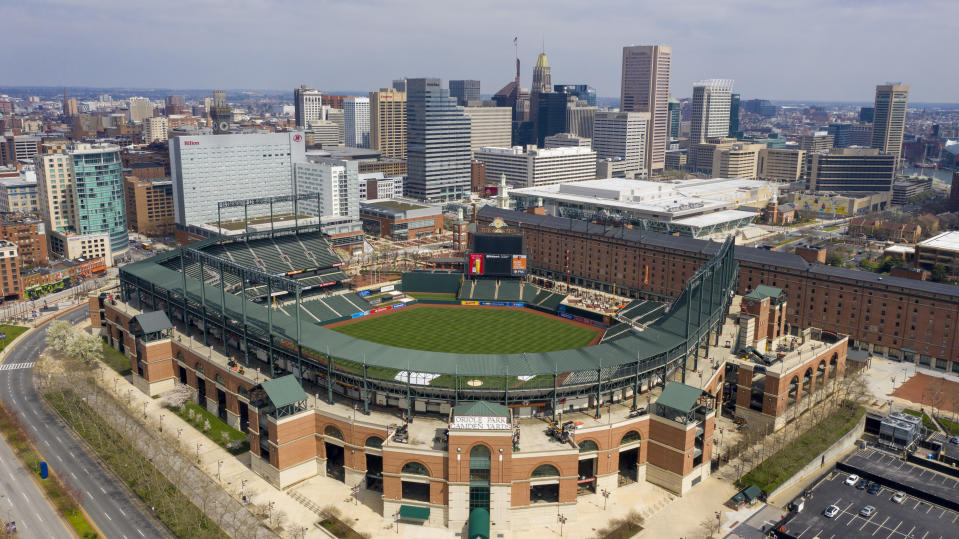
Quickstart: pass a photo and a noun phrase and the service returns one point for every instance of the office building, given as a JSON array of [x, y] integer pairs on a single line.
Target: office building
[[760, 107], [904, 190], [337, 117], [582, 92], [438, 143], [619, 138], [335, 181], [140, 108], [356, 121], [388, 123], [734, 116], [18, 148], [464, 91], [781, 164], [850, 170], [645, 88], [252, 166], [19, 195], [81, 193], [677, 159], [700, 157], [29, 235], [867, 114], [674, 117], [565, 140], [174, 104], [739, 160], [816, 142], [489, 127], [308, 106], [149, 205], [379, 186], [542, 79], [155, 129], [548, 115], [580, 118], [860, 135], [401, 220], [531, 166], [324, 133], [709, 113], [399, 85], [889, 121], [335, 101], [841, 134]]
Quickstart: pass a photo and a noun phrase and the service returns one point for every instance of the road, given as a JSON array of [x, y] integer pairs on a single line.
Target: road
[[104, 500], [23, 503]]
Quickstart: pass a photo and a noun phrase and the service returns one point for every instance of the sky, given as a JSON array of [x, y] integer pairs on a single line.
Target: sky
[[814, 50]]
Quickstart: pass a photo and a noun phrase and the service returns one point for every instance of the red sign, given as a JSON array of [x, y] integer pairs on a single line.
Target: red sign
[[490, 191], [476, 264], [297, 138], [191, 143], [379, 310], [339, 264], [329, 283]]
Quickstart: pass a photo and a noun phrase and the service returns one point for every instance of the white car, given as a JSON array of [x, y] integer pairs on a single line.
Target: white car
[[899, 497], [852, 480], [831, 511]]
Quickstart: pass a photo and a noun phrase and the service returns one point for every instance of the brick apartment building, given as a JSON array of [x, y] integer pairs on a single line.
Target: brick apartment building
[[149, 205], [28, 234]]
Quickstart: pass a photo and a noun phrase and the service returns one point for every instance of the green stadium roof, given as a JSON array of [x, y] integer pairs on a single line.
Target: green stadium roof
[[481, 408], [284, 391], [765, 291], [679, 397]]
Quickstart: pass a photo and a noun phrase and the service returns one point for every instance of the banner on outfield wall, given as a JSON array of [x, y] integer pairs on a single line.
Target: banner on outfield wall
[[379, 310], [494, 303], [582, 320]]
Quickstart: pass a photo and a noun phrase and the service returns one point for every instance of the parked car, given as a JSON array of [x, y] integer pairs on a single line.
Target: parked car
[[831, 511], [954, 440], [867, 511], [852, 480], [862, 484], [873, 488], [899, 497]]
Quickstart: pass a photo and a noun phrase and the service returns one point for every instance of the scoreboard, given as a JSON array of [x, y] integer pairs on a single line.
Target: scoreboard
[[497, 255]]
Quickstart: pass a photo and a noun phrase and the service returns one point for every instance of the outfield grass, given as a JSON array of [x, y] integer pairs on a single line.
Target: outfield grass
[[470, 331]]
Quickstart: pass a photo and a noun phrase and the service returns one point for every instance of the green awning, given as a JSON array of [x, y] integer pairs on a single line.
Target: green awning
[[411, 511], [153, 322], [680, 397], [479, 524], [284, 391], [765, 291]]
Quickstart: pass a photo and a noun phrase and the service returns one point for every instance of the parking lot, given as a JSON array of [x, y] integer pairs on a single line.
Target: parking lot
[[913, 518]]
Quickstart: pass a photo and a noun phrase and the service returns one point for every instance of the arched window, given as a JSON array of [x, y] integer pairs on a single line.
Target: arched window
[[415, 468], [630, 437], [333, 432], [587, 446], [375, 442], [545, 470]]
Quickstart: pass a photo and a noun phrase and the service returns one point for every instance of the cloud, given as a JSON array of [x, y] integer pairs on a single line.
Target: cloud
[[812, 49]]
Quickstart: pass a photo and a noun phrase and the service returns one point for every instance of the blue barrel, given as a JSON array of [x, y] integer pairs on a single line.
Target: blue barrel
[[44, 470]]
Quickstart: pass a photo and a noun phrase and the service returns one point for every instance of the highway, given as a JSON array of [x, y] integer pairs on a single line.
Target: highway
[[104, 500], [22, 502]]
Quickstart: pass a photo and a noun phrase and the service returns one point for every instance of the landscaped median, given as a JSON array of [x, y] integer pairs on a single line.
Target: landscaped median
[[778, 468], [57, 492], [213, 427]]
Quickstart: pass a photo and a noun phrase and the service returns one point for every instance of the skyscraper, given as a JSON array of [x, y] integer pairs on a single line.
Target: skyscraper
[[889, 121], [674, 117], [734, 115], [356, 118], [548, 114], [645, 88], [464, 91], [438, 142], [709, 114], [542, 80], [308, 106], [388, 122], [620, 137], [400, 85], [866, 114], [174, 104], [583, 92]]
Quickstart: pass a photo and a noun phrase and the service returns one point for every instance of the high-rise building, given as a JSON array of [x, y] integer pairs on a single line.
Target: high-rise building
[[356, 119], [19, 195], [645, 88], [860, 135], [580, 118], [740, 160], [336, 116], [307, 106], [889, 121], [208, 169], [583, 92], [437, 143], [155, 129], [149, 205], [532, 167], [620, 138], [336, 182], [14, 148], [140, 108], [565, 140], [388, 122], [761, 107], [221, 114], [71, 108], [400, 85], [816, 142], [850, 169], [174, 104], [548, 115], [464, 91], [734, 115], [867, 114], [674, 117], [781, 164], [489, 127], [841, 134], [709, 114], [542, 79], [81, 192]]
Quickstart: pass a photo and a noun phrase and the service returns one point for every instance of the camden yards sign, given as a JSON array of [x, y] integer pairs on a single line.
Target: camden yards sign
[[498, 226], [480, 422]]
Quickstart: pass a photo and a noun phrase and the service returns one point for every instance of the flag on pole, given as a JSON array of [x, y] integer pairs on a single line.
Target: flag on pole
[[515, 40]]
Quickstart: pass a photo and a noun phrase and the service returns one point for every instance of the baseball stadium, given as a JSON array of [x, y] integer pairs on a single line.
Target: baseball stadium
[[386, 386]]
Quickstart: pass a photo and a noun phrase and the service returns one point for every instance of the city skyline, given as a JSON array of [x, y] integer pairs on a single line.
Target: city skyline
[[708, 41]]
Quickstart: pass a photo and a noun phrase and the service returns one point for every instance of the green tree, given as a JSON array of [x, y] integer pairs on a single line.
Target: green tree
[[939, 272]]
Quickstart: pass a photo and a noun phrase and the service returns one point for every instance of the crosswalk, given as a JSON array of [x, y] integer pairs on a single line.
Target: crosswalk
[[14, 366]]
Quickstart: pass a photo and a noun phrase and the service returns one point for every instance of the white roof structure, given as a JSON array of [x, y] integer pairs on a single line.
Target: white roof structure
[[947, 241]]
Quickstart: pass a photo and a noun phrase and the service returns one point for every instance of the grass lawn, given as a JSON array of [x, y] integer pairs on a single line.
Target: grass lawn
[[12, 333], [776, 469], [470, 331], [926, 420], [217, 427], [116, 361], [785, 241], [951, 426]]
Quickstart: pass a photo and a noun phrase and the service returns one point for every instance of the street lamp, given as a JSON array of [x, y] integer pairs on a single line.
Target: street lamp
[[198, 446], [562, 521], [605, 494], [219, 467], [242, 489]]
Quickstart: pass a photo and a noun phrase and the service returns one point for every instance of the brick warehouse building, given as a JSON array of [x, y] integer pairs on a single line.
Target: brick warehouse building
[[903, 319]]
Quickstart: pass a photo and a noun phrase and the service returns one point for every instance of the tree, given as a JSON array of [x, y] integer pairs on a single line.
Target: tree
[[84, 347], [178, 396], [58, 335], [939, 272]]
